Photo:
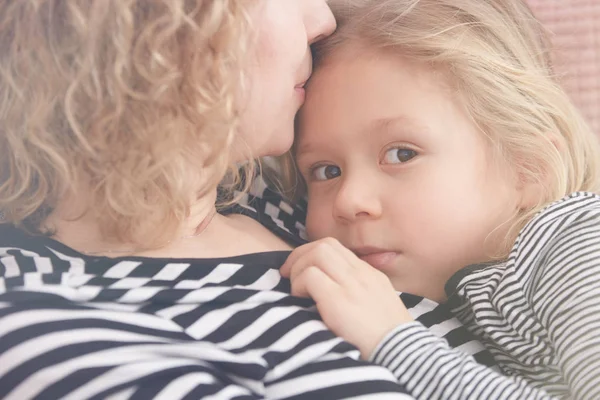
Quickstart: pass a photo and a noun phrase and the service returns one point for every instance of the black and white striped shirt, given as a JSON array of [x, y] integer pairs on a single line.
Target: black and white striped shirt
[[80, 327], [538, 313]]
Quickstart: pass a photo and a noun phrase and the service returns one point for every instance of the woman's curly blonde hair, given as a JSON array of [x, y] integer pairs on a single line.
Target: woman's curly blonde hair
[[134, 97]]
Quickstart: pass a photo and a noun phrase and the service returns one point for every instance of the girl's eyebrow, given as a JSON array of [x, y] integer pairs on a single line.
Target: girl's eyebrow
[[305, 148], [407, 123]]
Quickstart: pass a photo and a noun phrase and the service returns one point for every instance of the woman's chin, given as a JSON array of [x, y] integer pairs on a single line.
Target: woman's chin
[[275, 144], [278, 146]]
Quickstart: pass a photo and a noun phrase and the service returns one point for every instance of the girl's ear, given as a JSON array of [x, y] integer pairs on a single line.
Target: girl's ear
[[530, 193], [532, 188]]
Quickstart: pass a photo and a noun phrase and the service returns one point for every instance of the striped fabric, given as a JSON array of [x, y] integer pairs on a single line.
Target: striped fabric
[[538, 313], [575, 27], [79, 327]]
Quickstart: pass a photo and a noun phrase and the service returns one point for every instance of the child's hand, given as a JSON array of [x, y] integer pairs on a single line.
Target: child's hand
[[356, 301]]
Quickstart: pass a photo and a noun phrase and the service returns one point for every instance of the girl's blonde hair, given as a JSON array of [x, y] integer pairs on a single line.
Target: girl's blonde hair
[[498, 56], [134, 97]]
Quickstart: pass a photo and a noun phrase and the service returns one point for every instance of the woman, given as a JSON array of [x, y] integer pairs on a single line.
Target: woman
[[119, 277]]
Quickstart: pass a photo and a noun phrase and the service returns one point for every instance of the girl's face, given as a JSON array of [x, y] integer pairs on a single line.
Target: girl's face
[[280, 65], [399, 174]]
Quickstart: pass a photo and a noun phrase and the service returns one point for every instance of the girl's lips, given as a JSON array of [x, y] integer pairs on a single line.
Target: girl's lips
[[379, 260]]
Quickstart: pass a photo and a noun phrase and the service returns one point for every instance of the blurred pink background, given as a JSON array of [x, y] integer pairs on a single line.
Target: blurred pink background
[[575, 25]]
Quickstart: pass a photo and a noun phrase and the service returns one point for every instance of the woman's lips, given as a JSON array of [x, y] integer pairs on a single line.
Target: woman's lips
[[301, 93]]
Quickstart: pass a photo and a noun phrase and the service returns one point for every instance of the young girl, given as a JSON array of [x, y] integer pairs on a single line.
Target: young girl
[[438, 148]]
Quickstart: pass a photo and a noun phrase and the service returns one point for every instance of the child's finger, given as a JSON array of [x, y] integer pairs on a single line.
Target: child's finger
[[319, 246], [294, 256], [348, 264], [350, 257], [316, 284], [330, 261]]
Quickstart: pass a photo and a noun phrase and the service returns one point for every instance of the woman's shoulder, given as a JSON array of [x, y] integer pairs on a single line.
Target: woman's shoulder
[[28, 261], [13, 238], [40, 258]]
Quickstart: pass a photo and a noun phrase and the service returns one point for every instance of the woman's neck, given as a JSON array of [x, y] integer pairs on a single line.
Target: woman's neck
[[203, 234], [77, 226]]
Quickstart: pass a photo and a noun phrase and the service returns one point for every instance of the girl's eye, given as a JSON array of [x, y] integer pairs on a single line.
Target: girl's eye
[[399, 155], [326, 172]]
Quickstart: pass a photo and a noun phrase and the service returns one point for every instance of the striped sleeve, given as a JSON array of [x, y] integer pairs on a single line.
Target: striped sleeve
[[430, 369], [567, 301]]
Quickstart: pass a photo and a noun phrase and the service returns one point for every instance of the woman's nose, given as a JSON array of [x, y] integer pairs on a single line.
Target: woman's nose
[[319, 20]]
